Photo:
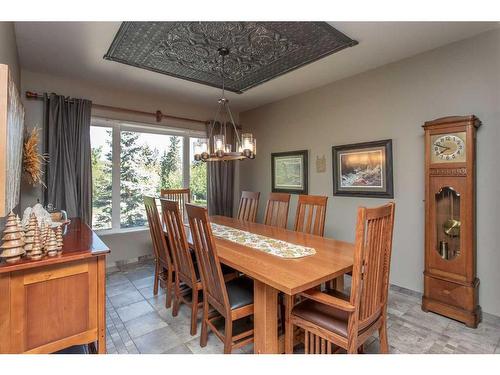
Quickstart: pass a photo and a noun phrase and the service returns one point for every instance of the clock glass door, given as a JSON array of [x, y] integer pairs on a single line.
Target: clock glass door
[[448, 223]]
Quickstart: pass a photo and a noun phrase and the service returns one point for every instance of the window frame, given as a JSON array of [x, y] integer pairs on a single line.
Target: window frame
[[117, 127]]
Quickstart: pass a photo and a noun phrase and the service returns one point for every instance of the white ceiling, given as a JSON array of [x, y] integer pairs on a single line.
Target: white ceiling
[[76, 50]]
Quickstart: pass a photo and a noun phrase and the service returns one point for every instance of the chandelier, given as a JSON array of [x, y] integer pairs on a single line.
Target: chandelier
[[218, 149]]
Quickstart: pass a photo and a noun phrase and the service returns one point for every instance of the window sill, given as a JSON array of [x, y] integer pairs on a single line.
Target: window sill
[[105, 232]]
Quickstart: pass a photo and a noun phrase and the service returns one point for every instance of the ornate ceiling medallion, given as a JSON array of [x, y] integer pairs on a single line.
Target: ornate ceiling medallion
[[260, 50]]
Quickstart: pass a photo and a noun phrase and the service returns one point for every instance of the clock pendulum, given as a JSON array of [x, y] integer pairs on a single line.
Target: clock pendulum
[[452, 226]]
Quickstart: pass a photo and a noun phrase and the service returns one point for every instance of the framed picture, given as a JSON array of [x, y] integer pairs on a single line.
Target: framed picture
[[289, 172], [363, 169]]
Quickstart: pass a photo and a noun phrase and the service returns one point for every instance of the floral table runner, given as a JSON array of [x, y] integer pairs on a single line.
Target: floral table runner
[[256, 241]]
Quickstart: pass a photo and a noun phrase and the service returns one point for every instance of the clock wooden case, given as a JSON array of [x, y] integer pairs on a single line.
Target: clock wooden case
[[450, 282]]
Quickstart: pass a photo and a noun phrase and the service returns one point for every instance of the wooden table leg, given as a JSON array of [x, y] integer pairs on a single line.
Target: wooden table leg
[[289, 336], [266, 319], [336, 284], [339, 281]]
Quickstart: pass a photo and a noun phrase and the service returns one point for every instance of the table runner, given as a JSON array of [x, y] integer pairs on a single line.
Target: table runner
[[268, 245]]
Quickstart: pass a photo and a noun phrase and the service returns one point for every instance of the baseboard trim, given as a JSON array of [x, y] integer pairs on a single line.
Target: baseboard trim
[[121, 263]]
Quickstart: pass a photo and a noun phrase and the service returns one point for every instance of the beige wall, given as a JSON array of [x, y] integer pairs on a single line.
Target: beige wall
[[393, 102], [133, 244], [127, 246], [8, 49]]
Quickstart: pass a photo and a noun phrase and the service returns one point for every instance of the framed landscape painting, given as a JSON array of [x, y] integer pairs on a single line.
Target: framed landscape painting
[[363, 169], [289, 171]]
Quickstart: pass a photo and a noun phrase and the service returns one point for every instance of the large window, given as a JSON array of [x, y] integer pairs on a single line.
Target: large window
[[102, 158], [132, 160], [198, 177], [148, 162]]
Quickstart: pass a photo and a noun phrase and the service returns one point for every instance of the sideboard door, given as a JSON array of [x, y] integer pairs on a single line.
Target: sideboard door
[[53, 307]]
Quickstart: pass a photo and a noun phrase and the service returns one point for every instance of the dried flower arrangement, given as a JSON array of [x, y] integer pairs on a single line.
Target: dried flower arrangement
[[33, 160]]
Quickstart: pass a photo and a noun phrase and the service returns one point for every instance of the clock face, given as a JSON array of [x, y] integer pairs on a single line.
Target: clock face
[[448, 148]]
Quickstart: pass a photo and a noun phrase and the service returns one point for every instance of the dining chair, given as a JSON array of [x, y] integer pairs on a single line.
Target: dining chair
[[181, 196], [311, 214], [163, 258], [309, 218], [277, 210], [333, 319], [249, 202], [232, 300], [186, 270]]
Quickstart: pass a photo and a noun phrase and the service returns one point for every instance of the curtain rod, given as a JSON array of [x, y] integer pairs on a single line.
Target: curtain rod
[[158, 115]]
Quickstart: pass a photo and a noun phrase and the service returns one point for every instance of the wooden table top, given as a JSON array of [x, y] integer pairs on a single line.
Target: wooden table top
[[332, 259], [80, 242]]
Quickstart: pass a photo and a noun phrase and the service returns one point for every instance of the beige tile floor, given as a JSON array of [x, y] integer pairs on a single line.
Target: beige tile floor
[[138, 322]]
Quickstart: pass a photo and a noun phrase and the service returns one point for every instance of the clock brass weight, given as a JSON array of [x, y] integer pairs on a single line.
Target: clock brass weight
[[450, 283]]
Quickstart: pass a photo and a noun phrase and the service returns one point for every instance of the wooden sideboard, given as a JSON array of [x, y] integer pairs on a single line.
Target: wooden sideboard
[[58, 302]]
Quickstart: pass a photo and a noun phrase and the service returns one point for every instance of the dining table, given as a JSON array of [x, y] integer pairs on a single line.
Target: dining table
[[273, 274]]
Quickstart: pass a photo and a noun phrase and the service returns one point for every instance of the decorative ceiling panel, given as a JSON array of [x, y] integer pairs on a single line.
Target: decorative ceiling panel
[[258, 51]]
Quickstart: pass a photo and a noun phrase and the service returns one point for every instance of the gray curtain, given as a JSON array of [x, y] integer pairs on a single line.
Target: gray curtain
[[220, 187], [67, 143]]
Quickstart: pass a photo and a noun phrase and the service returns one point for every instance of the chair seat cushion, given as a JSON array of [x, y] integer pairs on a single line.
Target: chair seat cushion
[[322, 315], [240, 292], [327, 317]]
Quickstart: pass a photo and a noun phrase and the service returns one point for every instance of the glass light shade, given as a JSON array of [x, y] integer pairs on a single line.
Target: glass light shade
[[254, 144], [246, 140], [203, 145], [197, 148], [228, 148], [219, 142]]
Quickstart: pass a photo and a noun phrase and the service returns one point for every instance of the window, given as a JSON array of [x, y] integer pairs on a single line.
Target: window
[[148, 162], [101, 143], [132, 160], [198, 177]]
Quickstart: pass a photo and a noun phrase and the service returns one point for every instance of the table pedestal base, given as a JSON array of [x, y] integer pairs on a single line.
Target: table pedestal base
[[265, 319]]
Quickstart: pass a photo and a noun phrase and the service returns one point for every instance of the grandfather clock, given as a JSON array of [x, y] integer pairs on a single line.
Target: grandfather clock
[[450, 282]]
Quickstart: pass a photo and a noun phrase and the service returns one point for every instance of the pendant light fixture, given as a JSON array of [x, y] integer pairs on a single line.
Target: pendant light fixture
[[216, 148]]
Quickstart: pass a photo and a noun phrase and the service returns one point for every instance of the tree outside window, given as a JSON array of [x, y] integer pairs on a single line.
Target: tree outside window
[[149, 162]]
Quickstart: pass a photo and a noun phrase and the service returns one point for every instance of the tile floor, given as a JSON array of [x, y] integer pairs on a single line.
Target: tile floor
[[138, 322]]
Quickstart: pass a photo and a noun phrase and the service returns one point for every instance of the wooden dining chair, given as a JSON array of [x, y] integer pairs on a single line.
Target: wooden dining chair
[[311, 214], [163, 258], [277, 210], [249, 203], [181, 196], [332, 320], [232, 300], [186, 271]]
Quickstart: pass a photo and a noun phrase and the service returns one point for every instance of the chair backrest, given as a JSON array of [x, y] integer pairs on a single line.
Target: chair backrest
[[311, 214], [160, 247], [177, 240], [181, 196], [372, 260], [207, 259], [277, 210], [249, 202]]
